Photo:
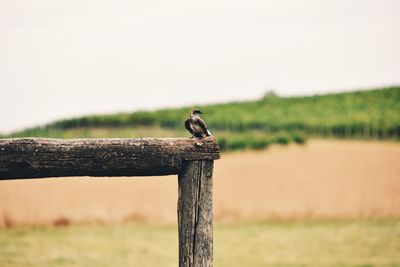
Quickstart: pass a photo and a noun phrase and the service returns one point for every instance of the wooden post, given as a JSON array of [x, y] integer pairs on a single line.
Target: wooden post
[[26, 158], [195, 217]]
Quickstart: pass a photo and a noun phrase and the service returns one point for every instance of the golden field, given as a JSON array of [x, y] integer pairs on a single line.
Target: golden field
[[322, 179], [327, 203]]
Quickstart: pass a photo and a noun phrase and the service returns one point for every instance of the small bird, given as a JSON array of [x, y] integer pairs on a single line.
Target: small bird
[[195, 125]]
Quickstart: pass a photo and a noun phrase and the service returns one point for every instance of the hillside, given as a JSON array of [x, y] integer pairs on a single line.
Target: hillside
[[253, 124]]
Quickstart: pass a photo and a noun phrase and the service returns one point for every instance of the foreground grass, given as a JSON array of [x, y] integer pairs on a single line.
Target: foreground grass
[[339, 243]]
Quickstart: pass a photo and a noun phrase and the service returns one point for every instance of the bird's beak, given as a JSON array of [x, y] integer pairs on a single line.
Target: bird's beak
[[201, 112]]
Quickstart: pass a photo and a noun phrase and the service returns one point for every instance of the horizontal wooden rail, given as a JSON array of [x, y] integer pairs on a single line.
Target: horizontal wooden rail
[[38, 157]]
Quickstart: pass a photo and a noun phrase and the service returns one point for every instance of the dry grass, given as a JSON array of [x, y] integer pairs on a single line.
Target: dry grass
[[330, 243], [323, 179]]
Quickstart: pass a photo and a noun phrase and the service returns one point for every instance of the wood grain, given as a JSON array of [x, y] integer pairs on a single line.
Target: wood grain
[[39, 158], [195, 215]]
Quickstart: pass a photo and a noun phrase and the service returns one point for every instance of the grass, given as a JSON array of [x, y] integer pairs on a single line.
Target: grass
[[373, 114], [310, 243]]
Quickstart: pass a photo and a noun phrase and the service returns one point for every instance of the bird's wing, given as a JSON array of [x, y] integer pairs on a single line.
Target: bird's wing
[[203, 126], [187, 126]]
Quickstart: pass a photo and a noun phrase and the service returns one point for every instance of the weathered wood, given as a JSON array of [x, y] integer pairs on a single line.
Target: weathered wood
[[191, 159], [195, 214], [37, 157]]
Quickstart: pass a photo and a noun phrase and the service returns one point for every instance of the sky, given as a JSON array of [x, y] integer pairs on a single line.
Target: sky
[[60, 59]]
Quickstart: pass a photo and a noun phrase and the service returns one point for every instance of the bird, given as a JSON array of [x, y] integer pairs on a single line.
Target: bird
[[195, 125]]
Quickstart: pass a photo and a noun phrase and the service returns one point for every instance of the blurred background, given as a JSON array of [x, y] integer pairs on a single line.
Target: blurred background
[[303, 98]]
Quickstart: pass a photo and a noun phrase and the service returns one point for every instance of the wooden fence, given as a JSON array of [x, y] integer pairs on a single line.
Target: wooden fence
[[191, 159]]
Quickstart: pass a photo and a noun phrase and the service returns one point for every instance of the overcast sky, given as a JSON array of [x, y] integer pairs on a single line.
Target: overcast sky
[[60, 59]]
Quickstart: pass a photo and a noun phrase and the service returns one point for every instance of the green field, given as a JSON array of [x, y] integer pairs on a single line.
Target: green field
[[310, 243], [252, 124]]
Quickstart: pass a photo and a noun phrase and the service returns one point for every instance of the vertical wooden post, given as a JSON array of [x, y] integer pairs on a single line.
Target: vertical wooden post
[[195, 219]]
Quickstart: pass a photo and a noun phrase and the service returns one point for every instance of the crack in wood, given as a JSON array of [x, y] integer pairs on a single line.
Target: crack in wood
[[195, 214]]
